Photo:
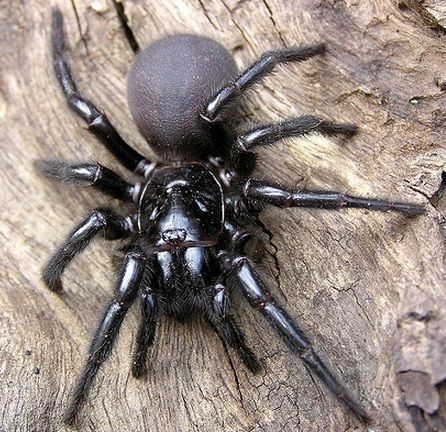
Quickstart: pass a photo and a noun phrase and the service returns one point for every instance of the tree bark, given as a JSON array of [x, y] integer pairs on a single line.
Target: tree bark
[[368, 287]]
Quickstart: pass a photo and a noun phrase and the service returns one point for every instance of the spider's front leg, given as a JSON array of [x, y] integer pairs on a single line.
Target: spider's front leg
[[125, 294], [259, 297], [147, 327], [113, 226], [218, 315]]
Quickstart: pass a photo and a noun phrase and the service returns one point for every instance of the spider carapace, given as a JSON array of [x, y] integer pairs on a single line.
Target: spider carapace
[[194, 210], [181, 207]]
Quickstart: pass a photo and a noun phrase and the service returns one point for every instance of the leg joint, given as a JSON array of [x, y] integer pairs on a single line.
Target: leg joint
[[240, 261], [122, 303], [84, 108], [260, 303], [137, 256], [102, 217]]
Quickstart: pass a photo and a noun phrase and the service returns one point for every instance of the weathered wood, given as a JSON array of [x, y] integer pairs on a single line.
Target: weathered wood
[[350, 277]]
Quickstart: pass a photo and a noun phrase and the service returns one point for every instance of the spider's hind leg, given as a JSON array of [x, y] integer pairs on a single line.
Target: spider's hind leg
[[97, 122], [254, 73]]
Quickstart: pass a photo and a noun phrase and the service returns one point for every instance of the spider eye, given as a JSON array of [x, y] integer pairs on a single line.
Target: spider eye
[[174, 236]]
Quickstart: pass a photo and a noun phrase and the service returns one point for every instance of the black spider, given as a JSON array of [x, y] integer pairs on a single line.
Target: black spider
[[195, 209]]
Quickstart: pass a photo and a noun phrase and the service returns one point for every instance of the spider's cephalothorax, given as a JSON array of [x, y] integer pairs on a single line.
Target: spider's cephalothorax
[[193, 211]]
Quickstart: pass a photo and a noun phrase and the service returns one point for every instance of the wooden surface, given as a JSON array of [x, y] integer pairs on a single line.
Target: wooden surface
[[352, 278]]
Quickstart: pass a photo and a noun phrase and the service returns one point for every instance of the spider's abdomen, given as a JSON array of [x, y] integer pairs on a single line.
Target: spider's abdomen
[[182, 206], [168, 87]]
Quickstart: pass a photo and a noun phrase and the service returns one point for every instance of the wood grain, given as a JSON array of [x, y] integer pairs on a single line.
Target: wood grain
[[352, 278]]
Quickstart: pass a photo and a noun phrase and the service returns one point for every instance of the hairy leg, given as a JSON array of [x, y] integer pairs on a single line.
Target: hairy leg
[[221, 320], [254, 73], [113, 226], [97, 122], [147, 326], [258, 296], [242, 159], [283, 197], [94, 175], [125, 294], [300, 126]]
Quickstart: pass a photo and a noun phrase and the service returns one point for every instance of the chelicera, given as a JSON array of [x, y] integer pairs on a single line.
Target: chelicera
[[195, 209]]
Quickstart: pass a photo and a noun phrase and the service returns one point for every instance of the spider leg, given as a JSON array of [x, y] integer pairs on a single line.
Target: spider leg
[[303, 125], [147, 327], [262, 67], [97, 122], [219, 318], [242, 159], [114, 227], [105, 336], [282, 197], [259, 298], [94, 175]]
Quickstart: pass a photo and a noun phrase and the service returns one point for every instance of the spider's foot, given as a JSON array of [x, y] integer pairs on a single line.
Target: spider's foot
[[354, 406], [139, 370], [70, 417], [346, 129], [251, 361], [51, 282], [408, 208]]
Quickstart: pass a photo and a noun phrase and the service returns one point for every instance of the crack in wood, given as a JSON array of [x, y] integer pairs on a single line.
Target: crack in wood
[[188, 413], [206, 14], [417, 7], [238, 26], [234, 372], [273, 255], [124, 20], [350, 289], [439, 193], [76, 14], [271, 17]]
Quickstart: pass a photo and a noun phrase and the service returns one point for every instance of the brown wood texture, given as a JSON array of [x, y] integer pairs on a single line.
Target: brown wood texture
[[352, 278]]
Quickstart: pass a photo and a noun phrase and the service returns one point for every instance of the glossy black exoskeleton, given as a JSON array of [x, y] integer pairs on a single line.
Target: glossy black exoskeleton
[[194, 210], [181, 206]]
